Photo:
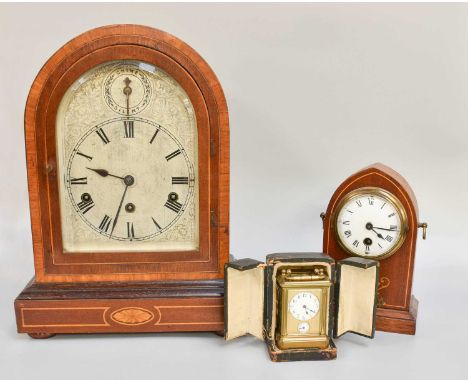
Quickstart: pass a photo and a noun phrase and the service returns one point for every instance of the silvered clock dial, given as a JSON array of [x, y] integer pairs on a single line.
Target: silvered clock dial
[[126, 145]]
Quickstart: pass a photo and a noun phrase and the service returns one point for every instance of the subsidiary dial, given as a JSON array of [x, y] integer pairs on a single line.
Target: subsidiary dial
[[304, 306], [127, 89]]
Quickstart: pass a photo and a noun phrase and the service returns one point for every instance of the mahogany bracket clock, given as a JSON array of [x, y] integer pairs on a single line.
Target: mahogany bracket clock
[[127, 144], [374, 214]]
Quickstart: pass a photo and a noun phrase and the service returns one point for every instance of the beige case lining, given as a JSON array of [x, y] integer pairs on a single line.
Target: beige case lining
[[356, 300], [245, 299]]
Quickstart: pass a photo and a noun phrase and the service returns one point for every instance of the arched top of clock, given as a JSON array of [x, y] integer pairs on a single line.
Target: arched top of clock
[[131, 35], [193, 74], [379, 175]]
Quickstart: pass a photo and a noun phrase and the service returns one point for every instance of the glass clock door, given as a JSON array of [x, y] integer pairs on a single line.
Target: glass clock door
[[127, 162]]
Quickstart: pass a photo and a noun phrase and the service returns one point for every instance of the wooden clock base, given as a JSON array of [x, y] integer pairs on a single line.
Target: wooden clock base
[[45, 309], [398, 321]]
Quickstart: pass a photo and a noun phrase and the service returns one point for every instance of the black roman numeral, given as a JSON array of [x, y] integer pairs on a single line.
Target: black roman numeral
[[130, 231], [371, 201], [359, 203], [105, 223], [383, 205], [346, 222], [156, 224], [379, 245], [367, 248], [85, 156], [173, 155], [393, 227], [85, 205], [179, 180], [129, 129], [389, 238], [356, 243], [173, 205], [103, 136], [154, 136], [392, 214], [351, 212], [347, 234], [79, 180]]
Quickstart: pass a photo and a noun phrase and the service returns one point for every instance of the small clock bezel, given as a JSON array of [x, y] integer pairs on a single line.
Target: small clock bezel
[[389, 197]]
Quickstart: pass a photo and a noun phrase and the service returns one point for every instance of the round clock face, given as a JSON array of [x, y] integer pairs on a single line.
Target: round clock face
[[304, 306], [303, 327], [127, 155], [370, 222]]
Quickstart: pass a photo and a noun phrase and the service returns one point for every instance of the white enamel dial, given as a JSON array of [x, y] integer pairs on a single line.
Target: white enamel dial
[[304, 306], [371, 223], [303, 327]]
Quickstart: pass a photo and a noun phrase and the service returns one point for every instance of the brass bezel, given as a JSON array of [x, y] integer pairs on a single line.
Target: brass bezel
[[385, 195]]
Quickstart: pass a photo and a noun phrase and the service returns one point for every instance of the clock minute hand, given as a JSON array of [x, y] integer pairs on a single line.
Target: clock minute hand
[[385, 229], [118, 211], [104, 173]]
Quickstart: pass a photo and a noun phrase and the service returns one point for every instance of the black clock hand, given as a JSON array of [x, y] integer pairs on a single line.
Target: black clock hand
[[370, 227], [103, 172], [118, 211], [127, 90], [128, 181], [306, 308], [385, 229], [378, 234]]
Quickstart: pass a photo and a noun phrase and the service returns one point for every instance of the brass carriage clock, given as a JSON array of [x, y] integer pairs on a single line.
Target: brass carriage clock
[[303, 295], [298, 302], [128, 166]]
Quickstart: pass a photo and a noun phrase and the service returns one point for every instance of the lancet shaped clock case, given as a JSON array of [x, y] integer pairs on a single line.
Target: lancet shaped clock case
[[251, 300]]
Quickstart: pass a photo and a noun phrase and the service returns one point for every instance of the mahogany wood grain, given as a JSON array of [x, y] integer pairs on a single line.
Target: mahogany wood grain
[[125, 292], [198, 80], [43, 309], [395, 313]]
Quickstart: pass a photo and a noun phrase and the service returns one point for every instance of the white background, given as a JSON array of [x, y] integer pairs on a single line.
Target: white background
[[315, 93]]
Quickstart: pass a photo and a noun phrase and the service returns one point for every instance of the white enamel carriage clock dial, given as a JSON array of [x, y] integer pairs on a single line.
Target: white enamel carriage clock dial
[[128, 161], [371, 222], [304, 306]]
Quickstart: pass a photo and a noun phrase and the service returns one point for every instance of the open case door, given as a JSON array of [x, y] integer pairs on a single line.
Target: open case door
[[244, 298], [356, 296]]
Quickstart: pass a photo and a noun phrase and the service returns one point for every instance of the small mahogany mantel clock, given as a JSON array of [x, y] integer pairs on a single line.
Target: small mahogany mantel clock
[[127, 145], [374, 214]]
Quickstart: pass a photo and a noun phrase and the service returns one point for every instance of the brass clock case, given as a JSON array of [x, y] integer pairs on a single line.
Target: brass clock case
[[390, 198]]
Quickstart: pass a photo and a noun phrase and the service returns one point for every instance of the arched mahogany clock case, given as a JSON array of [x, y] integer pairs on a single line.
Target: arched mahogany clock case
[[125, 292], [397, 307]]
